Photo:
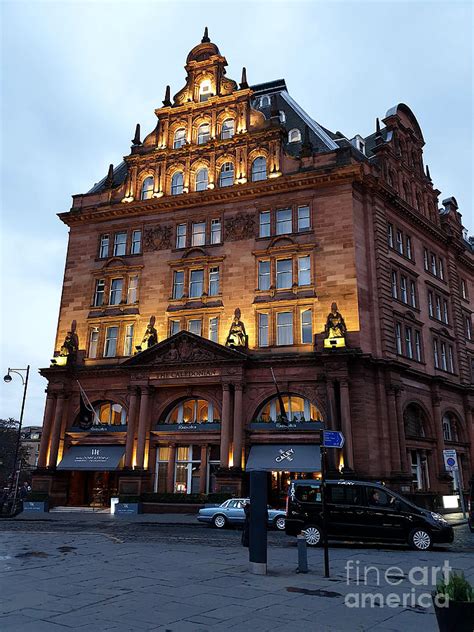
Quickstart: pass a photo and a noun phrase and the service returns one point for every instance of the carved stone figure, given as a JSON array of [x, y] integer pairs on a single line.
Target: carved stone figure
[[242, 226], [335, 325], [151, 335], [71, 343], [157, 238], [237, 336]]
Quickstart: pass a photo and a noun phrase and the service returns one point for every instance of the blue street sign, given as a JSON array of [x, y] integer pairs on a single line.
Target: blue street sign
[[333, 439]]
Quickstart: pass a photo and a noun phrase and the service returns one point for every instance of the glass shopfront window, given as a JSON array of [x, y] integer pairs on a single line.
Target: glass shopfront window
[[193, 411], [297, 409], [187, 471]]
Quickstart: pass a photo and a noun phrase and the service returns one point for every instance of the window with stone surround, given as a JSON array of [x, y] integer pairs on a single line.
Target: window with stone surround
[[284, 273], [408, 340], [284, 221], [110, 347], [124, 243], [438, 307], [434, 264], [399, 241], [204, 232], [443, 354], [284, 326], [403, 287]]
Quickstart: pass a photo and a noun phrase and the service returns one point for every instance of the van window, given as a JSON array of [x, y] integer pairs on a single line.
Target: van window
[[378, 497], [310, 493], [345, 494]]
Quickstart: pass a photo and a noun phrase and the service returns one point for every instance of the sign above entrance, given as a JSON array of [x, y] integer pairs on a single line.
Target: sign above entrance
[[92, 458], [174, 375], [285, 458]]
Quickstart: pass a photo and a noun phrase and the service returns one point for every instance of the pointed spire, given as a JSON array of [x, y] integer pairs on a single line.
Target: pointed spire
[[428, 175], [243, 81], [167, 99], [109, 180], [136, 139], [306, 147], [205, 39], [378, 133]]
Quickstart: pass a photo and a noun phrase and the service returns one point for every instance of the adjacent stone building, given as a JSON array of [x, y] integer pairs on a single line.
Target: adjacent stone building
[[213, 255]]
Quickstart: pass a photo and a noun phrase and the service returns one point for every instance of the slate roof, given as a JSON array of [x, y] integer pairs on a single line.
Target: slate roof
[[120, 173]]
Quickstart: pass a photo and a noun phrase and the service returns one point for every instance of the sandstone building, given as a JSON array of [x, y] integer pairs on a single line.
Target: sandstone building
[[239, 214]]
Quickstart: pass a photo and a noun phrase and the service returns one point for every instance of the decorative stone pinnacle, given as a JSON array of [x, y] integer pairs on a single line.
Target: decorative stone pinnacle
[[205, 39], [167, 99], [109, 180], [136, 139], [243, 81]]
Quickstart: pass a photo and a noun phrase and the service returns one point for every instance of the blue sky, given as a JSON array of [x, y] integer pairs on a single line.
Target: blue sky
[[77, 77]]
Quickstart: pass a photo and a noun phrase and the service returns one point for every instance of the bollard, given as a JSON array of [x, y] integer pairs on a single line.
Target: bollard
[[302, 554]]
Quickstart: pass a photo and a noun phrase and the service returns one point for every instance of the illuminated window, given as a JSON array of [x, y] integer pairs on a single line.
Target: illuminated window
[[195, 326], [297, 409], [196, 283], [192, 411], [227, 130], [284, 323], [226, 177], [199, 234], [177, 183], [284, 273], [178, 284], [181, 236], [147, 188], [213, 329], [203, 134], [216, 231], [99, 292], [263, 330], [259, 169], [306, 327], [294, 136], [284, 224], [116, 292], [175, 327], [205, 90], [110, 348], [111, 414], [132, 294], [120, 244], [93, 342], [213, 281], [136, 246], [104, 247], [179, 138], [303, 218], [128, 342], [202, 179], [304, 270]]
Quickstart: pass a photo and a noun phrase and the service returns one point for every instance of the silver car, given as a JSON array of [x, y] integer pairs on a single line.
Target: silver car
[[231, 512]]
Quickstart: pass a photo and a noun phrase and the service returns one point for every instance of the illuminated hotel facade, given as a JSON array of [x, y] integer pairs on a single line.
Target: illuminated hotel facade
[[212, 254]]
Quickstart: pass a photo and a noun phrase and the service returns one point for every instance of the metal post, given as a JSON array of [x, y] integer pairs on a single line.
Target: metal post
[[302, 554], [18, 439], [323, 508], [458, 474], [258, 523]]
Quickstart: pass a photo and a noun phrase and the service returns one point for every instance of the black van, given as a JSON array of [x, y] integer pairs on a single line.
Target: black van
[[357, 510]]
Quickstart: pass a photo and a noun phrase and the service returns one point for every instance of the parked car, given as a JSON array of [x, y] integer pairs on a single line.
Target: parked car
[[231, 512], [358, 510]]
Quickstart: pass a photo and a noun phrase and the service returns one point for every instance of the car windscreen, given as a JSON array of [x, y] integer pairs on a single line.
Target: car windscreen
[[308, 493]]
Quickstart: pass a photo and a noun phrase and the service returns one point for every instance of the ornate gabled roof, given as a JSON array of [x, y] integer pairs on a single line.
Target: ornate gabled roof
[[185, 348]]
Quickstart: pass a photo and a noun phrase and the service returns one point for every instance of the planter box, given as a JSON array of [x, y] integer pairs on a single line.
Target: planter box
[[127, 509], [33, 506], [458, 616]]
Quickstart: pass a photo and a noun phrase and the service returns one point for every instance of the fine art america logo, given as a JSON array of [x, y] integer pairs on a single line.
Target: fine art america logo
[[285, 454]]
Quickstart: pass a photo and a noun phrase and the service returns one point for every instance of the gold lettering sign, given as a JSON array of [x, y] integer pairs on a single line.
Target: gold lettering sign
[[172, 375]]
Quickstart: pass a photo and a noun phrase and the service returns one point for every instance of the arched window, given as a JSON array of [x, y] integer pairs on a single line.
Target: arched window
[[179, 138], [294, 136], [202, 179], [450, 427], [111, 414], [226, 177], [205, 90], [259, 169], [297, 409], [265, 101], [227, 130], [282, 116], [203, 134], [193, 411], [147, 188], [177, 182], [414, 419]]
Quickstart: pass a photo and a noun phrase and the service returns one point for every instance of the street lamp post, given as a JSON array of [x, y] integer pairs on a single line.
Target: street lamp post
[[8, 378]]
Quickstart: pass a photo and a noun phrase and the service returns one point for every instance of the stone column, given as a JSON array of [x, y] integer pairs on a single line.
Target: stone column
[[393, 429], [170, 472], [142, 426], [46, 432], [238, 426], [56, 433], [401, 431], [132, 413], [203, 478], [346, 424], [225, 426], [438, 428]]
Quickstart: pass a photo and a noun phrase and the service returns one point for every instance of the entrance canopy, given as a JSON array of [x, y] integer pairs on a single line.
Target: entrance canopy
[[287, 458], [92, 458]]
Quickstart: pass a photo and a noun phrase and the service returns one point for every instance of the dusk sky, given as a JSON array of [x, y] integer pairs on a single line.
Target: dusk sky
[[77, 77]]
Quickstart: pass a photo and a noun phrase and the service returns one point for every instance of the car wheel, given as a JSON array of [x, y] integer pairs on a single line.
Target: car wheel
[[219, 521], [420, 539], [280, 523], [313, 535]]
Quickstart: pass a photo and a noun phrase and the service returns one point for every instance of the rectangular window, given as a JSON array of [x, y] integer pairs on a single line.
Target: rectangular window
[[450, 359], [214, 329], [199, 234], [264, 275], [216, 232], [430, 304], [398, 337], [264, 228], [434, 269], [413, 293], [468, 327], [390, 235], [263, 330], [175, 327], [285, 328], [303, 218], [195, 326], [284, 273], [418, 345], [196, 283], [110, 348], [394, 284], [441, 269], [463, 289], [435, 353], [136, 246], [408, 342], [116, 292], [128, 343], [444, 359], [445, 311], [438, 307], [104, 247], [178, 284], [304, 270], [399, 242], [408, 250], [403, 289], [132, 290], [306, 327], [181, 236], [283, 221], [93, 341], [99, 292], [425, 259], [120, 244], [213, 281]]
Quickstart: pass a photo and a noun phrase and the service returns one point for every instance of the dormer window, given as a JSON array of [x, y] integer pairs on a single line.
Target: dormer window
[[147, 188], [203, 134], [265, 101], [282, 116], [294, 136], [259, 169], [205, 90], [177, 183], [227, 130], [226, 177], [179, 138]]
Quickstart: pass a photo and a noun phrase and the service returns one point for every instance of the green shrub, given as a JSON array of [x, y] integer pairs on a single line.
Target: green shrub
[[457, 588]]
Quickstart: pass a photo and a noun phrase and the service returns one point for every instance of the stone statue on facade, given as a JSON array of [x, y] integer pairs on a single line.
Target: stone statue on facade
[[237, 336], [335, 328], [70, 345], [151, 335]]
